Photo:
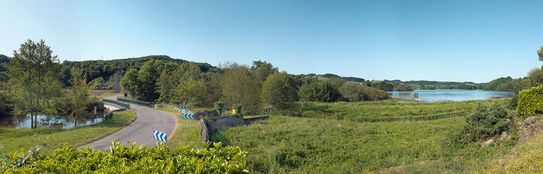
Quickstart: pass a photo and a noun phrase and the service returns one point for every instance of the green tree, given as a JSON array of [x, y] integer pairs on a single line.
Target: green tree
[[130, 83], [357, 92], [535, 77], [213, 88], [279, 91], [318, 91], [336, 82], [263, 69], [97, 83], [382, 85], [172, 75], [147, 77], [540, 54], [114, 82], [190, 70], [191, 91], [34, 80], [240, 86], [167, 82], [78, 95]]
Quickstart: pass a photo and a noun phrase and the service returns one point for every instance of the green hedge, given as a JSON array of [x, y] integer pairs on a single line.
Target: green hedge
[[530, 102], [138, 102], [129, 159]]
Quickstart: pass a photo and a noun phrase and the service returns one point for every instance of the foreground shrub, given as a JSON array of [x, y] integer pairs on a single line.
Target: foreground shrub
[[530, 102], [485, 122], [128, 159]]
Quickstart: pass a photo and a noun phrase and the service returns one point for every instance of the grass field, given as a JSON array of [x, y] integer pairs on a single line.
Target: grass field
[[12, 139], [326, 144]]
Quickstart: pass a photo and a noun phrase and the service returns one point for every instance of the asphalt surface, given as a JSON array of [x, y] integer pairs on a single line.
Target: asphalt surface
[[141, 130]]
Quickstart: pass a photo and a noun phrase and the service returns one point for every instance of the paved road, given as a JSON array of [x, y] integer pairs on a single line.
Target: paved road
[[140, 131]]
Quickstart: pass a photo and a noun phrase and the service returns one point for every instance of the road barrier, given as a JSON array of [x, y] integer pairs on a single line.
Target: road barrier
[[115, 102], [138, 102]]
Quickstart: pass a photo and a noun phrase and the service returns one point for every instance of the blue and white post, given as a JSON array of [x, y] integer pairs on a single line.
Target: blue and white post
[[184, 109]]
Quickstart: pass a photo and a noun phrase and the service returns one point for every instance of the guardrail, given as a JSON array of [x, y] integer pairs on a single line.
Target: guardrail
[[115, 102], [138, 102]]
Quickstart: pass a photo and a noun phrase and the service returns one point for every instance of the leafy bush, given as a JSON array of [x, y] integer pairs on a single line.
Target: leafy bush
[[530, 101], [279, 91], [129, 159], [485, 122], [318, 91], [356, 92]]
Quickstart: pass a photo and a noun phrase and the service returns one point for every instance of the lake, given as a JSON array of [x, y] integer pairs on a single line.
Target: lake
[[449, 95], [48, 121]]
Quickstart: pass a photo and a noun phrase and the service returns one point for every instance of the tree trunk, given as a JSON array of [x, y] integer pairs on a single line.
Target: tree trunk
[[75, 122], [33, 122]]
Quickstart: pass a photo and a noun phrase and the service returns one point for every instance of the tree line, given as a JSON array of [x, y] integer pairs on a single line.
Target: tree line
[[35, 82], [254, 87]]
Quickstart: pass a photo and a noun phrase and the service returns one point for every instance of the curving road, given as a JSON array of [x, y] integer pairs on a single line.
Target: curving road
[[140, 131]]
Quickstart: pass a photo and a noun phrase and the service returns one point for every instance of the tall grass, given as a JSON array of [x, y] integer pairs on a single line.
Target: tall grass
[[324, 144]]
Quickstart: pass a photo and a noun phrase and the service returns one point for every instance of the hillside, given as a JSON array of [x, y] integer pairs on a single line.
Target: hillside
[[106, 68]]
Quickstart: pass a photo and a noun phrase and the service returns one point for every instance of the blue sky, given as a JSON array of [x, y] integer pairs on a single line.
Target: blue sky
[[449, 40]]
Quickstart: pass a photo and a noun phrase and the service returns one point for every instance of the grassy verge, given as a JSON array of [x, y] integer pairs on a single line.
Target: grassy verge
[[187, 132], [14, 139], [523, 158]]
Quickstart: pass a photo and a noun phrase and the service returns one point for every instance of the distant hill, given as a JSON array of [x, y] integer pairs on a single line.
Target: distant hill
[[106, 68]]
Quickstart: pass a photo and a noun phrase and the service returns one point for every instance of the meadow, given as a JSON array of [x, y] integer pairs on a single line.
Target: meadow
[[321, 143], [16, 139]]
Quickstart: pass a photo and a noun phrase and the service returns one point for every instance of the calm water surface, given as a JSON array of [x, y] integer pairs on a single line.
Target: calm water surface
[[48, 121], [449, 95]]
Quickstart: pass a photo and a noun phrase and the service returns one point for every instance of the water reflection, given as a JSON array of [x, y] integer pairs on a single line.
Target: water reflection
[[449, 95], [54, 122]]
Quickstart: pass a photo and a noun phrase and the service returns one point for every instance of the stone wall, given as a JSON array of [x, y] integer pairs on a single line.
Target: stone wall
[[204, 132]]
